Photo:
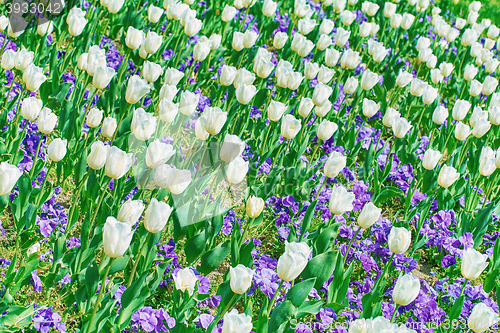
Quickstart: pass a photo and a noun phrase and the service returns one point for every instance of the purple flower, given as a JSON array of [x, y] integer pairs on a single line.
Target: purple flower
[[36, 282]]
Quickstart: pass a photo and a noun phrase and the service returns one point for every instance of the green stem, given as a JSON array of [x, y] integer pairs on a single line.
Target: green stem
[[14, 155], [350, 243], [132, 273], [96, 209], [265, 140], [8, 94], [75, 202], [274, 298], [320, 188], [384, 273], [201, 161], [247, 227], [36, 156], [394, 313], [99, 297], [221, 314], [43, 185]]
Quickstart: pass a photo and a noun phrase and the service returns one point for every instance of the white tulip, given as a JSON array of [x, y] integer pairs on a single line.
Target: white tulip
[[213, 119], [473, 264], [482, 318], [399, 240], [368, 80], [108, 127], [305, 106], [280, 40], [116, 237], [156, 216], [341, 201], [369, 215], [350, 85], [143, 124], [389, 117], [290, 126], [98, 154], [326, 129], [9, 174], [134, 38], [188, 102], [406, 290], [447, 176], [240, 279], [370, 108], [334, 164], [173, 76], [171, 178], [237, 170], [185, 280]]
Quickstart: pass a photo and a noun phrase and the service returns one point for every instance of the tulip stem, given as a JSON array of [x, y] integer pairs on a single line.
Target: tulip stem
[[96, 209], [36, 156], [220, 315], [207, 198], [99, 297], [463, 287], [8, 94], [320, 188], [14, 155], [244, 19], [191, 70], [245, 231], [265, 139], [488, 192], [384, 273], [120, 122], [139, 254], [394, 313], [125, 65], [350, 244], [201, 161], [279, 152], [75, 201], [274, 298], [314, 154], [43, 185]]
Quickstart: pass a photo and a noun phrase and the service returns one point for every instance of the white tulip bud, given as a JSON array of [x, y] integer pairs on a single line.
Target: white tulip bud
[[406, 290], [369, 215], [240, 280], [116, 237], [9, 174], [326, 129], [370, 108], [399, 240], [254, 207], [439, 115], [290, 126], [447, 176], [143, 124], [341, 201], [482, 318], [108, 127], [98, 154]]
